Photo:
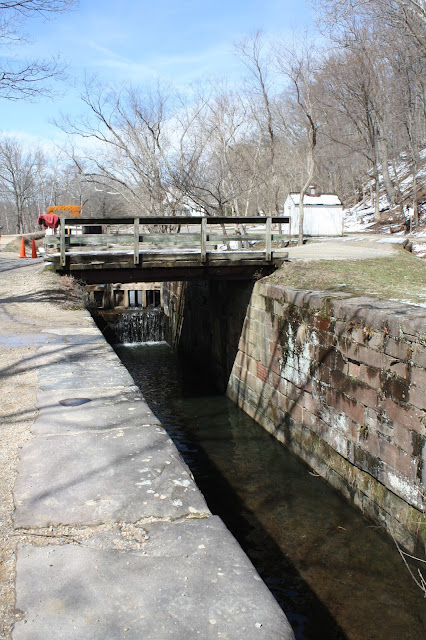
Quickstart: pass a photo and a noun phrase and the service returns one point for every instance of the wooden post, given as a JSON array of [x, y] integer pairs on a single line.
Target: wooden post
[[203, 239], [268, 238], [106, 297], [62, 231], [136, 241]]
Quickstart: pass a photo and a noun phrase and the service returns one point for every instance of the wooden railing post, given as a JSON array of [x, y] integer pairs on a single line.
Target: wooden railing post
[[136, 241], [63, 257], [268, 239], [203, 257]]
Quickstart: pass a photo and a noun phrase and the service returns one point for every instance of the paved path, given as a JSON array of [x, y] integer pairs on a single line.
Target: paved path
[[5, 240], [115, 539], [349, 247]]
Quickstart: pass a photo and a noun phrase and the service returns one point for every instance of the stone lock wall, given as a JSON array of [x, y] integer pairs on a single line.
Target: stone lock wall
[[205, 320], [342, 382]]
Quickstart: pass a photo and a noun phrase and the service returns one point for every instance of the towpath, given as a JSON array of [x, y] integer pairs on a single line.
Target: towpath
[[103, 532], [350, 247]]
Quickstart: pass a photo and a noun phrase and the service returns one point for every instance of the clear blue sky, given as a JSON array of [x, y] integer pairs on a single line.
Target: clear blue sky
[[134, 41]]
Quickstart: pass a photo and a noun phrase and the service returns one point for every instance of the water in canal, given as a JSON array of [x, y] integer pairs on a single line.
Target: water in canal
[[332, 572]]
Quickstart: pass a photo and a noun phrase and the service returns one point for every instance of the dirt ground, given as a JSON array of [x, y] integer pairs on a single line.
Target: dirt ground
[[30, 300]]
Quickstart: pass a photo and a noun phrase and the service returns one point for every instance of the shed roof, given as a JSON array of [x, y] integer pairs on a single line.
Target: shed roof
[[326, 199]]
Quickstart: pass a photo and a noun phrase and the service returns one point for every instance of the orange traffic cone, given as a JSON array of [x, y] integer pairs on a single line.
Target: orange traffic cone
[[34, 250], [22, 254]]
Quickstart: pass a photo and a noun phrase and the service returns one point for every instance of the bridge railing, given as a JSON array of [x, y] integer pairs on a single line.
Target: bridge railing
[[230, 237]]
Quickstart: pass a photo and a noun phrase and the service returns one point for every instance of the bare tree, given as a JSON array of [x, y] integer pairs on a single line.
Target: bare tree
[[130, 134], [373, 86], [29, 79], [404, 16], [217, 167], [19, 172], [299, 64], [260, 90]]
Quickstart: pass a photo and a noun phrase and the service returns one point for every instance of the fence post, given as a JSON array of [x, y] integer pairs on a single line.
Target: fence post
[[203, 240], [136, 241], [63, 257], [268, 238]]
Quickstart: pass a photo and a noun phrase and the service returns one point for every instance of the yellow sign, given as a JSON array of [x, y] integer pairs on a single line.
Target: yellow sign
[[62, 209]]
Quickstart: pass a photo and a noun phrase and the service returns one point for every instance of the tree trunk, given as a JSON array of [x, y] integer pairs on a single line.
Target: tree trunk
[[387, 182], [377, 200], [301, 216], [415, 200]]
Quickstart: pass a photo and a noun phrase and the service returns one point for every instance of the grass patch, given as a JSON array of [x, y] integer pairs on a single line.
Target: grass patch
[[65, 291], [398, 277]]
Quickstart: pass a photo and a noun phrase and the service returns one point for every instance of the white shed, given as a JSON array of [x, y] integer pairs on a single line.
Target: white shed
[[323, 214]]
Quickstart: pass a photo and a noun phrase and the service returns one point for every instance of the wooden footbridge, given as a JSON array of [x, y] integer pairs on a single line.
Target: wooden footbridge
[[108, 250]]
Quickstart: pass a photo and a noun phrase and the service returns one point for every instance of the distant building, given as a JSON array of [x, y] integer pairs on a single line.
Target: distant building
[[322, 214]]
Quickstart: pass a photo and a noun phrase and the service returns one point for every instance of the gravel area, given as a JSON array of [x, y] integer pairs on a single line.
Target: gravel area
[[30, 300]]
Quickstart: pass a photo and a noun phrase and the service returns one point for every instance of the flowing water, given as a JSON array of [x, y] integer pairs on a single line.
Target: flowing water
[[136, 325], [334, 574]]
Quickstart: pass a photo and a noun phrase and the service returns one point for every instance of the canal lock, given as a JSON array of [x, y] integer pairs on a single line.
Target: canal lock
[[333, 573]]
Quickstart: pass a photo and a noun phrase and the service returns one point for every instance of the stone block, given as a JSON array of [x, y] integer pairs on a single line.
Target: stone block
[[418, 377], [406, 416], [337, 441], [357, 335], [258, 302], [401, 369], [290, 390], [354, 389], [282, 402], [238, 371], [322, 322], [312, 421], [403, 438], [346, 405], [275, 292], [279, 308], [404, 487], [354, 369], [341, 328], [309, 402], [395, 388], [398, 459], [327, 357], [274, 380], [377, 422], [340, 363], [323, 374], [365, 461], [376, 340], [296, 297], [325, 339], [398, 349], [419, 356], [368, 440], [417, 397], [171, 588], [274, 349], [295, 411]]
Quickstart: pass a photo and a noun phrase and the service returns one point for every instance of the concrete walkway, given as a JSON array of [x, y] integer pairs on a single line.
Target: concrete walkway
[[116, 540], [348, 247], [5, 240]]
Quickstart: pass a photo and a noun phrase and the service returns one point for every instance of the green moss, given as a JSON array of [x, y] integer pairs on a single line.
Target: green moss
[[269, 306]]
